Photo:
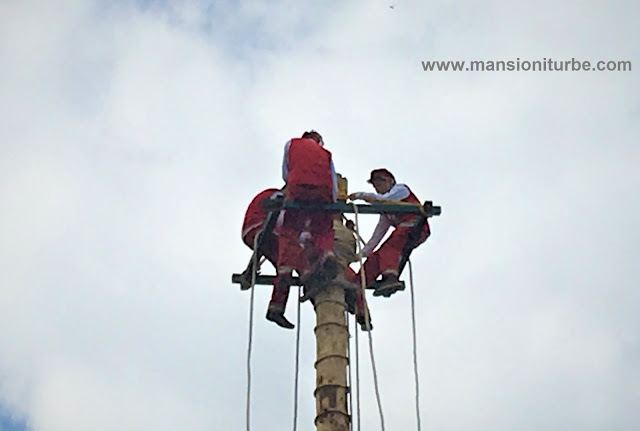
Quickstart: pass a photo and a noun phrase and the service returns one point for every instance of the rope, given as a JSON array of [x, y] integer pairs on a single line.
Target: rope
[[355, 231], [375, 380], [357, 377], [346, 317], [368, 322], [256, 266], [414, 334], [251, 301], [297, 365], [415, 344], [357, 348]]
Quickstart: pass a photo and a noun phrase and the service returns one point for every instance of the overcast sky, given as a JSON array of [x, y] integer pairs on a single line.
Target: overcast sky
[[134, 134]]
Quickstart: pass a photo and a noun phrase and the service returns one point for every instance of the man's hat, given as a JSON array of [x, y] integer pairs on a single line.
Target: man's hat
[[380, 171]]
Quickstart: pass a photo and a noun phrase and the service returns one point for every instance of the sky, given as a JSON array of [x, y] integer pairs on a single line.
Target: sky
[[134, 134]]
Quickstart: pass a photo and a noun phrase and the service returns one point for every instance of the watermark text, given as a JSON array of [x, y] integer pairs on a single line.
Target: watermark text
[[518, 65]]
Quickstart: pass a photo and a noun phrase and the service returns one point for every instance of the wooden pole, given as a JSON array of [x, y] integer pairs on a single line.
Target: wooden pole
[[332, 336]]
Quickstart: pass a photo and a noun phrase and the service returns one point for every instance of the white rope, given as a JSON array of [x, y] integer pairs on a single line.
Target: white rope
[[297, 365], [350, 381], [356, 232], [357, 377], [357, 346], [251, 301], [357, 355], [415, 344], [367, 321], [375, 380]]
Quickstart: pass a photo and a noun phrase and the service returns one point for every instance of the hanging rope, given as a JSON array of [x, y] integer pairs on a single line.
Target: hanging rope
[[256, 266], [297, 365], [251, 301], [375, 380], [415, 344], [357, 377], [350, 381], [357, 348], [368, 321], [414, 337]]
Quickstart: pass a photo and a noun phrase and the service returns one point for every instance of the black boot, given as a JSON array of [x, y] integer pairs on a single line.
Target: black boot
[[363, 322], [388, 286], [278, 318]]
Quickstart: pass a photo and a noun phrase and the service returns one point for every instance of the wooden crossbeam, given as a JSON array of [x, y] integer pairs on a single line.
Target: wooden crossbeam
[[267, 280], [428, 209]]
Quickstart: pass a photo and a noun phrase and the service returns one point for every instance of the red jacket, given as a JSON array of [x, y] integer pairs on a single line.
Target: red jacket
[[255, 216], [308, 163], [406, 219]]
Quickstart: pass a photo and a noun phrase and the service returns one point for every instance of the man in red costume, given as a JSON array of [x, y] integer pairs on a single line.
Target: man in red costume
[[386, 259], [306, 238]]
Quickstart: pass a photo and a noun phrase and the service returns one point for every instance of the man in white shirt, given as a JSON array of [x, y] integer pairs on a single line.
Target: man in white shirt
[[385, 260]]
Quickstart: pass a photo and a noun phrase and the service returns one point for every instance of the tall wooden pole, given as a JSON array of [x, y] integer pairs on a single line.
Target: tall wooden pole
[[332, 334], [332, 337]]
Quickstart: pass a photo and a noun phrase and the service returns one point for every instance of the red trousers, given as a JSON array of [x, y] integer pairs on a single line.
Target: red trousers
[[386, 260], [352, 276], [291, 255], [269, 250]]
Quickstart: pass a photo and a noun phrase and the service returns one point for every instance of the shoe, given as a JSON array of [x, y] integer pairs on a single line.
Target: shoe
[[279, 319], [363, 324], [388, 286]]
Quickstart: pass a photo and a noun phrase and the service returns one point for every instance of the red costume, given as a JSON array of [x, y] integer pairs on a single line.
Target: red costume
[[386, 260], [253, 223], [310, 177]]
